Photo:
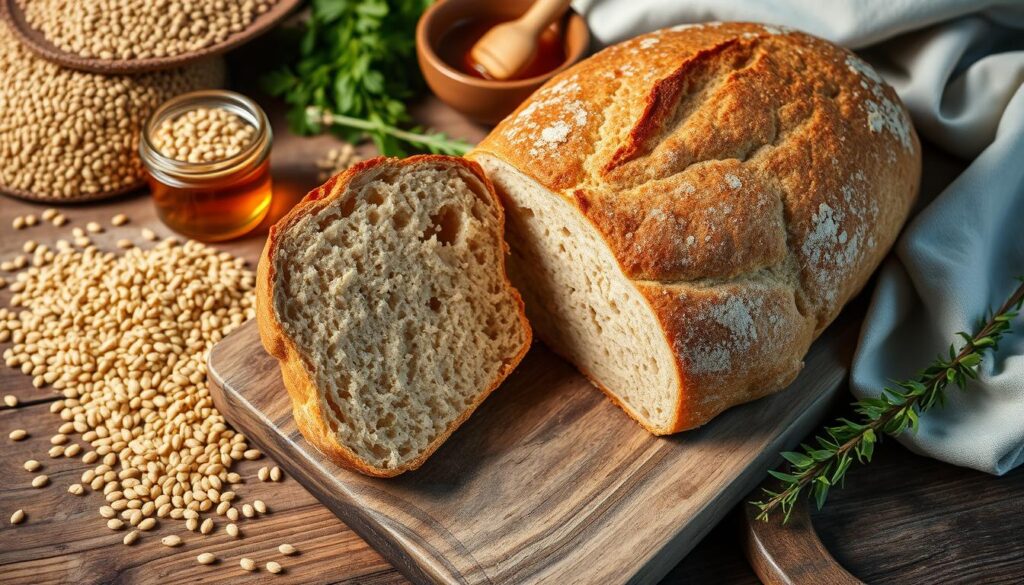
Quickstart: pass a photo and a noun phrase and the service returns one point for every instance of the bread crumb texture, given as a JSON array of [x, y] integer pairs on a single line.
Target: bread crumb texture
[[728, 186], [394, 295]]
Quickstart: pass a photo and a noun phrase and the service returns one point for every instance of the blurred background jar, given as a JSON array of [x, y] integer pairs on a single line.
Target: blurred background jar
[[206, 154]]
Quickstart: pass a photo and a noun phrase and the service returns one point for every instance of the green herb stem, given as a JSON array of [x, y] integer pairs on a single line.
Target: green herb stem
[[431, 141], [818, 468]]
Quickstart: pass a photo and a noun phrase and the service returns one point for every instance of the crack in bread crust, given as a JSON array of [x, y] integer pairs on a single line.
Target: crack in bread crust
[[735, 164]]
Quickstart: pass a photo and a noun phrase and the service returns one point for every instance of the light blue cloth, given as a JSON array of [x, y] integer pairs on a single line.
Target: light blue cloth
[[959, 67]]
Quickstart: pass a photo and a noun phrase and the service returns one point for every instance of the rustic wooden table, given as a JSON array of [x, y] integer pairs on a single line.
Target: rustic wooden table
[[907, 518]]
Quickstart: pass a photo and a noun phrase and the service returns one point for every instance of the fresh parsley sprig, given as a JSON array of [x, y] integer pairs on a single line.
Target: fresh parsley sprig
[[357, 60], [819, 467]]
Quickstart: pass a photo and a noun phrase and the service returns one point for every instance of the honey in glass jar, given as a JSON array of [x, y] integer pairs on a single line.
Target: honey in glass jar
[[207, 158]]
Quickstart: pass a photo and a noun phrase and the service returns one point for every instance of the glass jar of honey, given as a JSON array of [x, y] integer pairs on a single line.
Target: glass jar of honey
[[207, 154]]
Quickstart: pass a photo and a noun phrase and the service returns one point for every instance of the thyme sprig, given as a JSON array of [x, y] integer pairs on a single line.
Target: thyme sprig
[[819, 467]]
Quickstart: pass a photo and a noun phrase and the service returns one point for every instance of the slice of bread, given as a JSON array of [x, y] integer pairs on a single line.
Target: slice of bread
[[384, 296]]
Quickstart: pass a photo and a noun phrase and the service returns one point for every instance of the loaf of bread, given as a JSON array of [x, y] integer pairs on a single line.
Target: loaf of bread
[[383, 295], [688, 210]]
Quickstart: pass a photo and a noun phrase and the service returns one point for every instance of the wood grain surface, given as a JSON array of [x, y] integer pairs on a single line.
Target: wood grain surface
[[910, 519], [34, 40], [548, 481], [790, 554], [906, 519]]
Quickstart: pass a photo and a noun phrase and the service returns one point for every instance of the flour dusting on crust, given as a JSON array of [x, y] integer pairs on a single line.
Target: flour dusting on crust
[[556, 101], [838, 239], [735, 317], [882, 112]]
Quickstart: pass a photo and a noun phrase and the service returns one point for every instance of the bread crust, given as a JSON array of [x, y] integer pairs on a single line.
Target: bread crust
[[747, 179], [306, 407]]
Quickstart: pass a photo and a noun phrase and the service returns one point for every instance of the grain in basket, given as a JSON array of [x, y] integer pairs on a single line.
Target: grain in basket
[[138, 29], [72, 135]]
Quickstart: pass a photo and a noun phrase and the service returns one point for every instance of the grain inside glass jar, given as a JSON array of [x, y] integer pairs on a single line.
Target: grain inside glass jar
[[207, 156]]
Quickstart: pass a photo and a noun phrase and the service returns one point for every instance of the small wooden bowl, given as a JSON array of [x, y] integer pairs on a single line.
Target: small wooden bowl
[[35, 41], [483, 100]]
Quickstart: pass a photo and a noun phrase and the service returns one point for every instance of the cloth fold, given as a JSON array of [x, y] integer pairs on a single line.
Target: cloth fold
[[959, 67]]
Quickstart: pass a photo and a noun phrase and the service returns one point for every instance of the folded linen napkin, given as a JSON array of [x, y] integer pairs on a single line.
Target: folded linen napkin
[[959, 67]]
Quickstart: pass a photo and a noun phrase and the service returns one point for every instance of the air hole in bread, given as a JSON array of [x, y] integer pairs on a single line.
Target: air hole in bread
[[326, 221], [385, 422], [479, 252], [445, 224], [378, 451], [347, 207], [339, 415], [400, 219], [434, 304], [291, 312], [374, 195], [491, 330]]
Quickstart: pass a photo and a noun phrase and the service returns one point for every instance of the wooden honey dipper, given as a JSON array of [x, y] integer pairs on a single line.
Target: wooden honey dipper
[[505, 49]]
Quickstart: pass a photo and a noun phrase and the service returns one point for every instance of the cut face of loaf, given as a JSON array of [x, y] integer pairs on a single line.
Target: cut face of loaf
[[387, 302], [581, 303], [689, 209]]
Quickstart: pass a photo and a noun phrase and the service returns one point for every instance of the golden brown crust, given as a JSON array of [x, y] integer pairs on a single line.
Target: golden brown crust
[[726, 165], [306, 402]]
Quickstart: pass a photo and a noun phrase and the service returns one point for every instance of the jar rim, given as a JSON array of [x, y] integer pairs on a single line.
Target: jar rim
[[171, 170]]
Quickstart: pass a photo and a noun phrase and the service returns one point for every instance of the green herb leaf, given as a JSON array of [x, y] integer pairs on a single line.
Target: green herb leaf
[[797, 459], [357, 62], [892, 412]]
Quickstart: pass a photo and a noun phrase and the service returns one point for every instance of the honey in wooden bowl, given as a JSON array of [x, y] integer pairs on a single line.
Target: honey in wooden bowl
[[207, 157], [455, 44], [485, 100]]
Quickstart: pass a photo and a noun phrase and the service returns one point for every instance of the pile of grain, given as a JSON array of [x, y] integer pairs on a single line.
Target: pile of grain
[[124, 337], [203, 135], [139, 29], [67, 134]]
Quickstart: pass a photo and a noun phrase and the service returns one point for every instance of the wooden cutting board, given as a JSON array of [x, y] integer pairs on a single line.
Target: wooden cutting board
[[548, 482]]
